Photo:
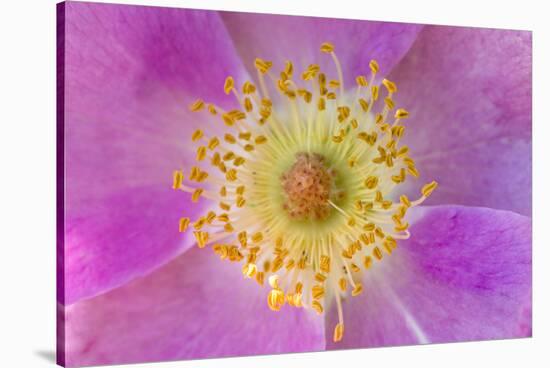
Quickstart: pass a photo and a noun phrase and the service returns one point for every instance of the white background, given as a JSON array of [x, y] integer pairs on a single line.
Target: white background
[[27, 180]]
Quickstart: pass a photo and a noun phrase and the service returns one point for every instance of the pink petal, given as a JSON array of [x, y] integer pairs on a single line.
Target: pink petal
[[281, 37], [465, 274], [197, 306], [469, 94], [130, 74]]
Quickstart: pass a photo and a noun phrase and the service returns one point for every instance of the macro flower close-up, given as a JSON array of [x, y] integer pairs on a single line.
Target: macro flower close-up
[[243, 184]]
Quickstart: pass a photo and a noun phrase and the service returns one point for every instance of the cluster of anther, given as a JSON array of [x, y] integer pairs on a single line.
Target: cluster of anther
[[307, 188]]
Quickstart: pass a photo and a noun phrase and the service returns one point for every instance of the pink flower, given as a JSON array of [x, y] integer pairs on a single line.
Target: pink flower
[[133, 289]]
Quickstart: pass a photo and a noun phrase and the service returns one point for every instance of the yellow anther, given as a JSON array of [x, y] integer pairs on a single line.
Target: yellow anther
[[317, 292], [229, 138], [364, 238], [276, 299], [390, 86], [374, 92], [321, 104], [184, 223], [240, 202], [282, 85], [367, 262], [389, 103], [243, 238], [413, 171], [338, 332], [201, 153], [277, 264], [327, 47], [195, 172], [377, 253], [210, 217], [257, 237], [248, 105], [369, 226], [231, 175], [343, 284], [337, 139], [373, 65], [213, 143], [402, 151], [316, 305], [212, 109], [223, 191], [260, 278], [364, 104], [260, 139], [371, 182], [320, 277], [354, 124], [240, 190], [238, 161], [429, 188], [224, 217], [196, 194], [262, 65], [197, 105], [405, 200], [228, 119], [351, 222], [228, 85], [249, 270], [357, 289], [216, 159], [290, 265], [224, 206], [306, 95], [402, 227], [288, 69], [245, 136], [401, 114], [230, 155], [325, 264], [344, 112], [178, 179], [334, 84], [361, 81], [237, 114], [197, 134], [201, 237], [248, 88]]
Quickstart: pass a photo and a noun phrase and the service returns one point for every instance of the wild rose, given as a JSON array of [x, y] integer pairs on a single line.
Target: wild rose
[[137, 289]]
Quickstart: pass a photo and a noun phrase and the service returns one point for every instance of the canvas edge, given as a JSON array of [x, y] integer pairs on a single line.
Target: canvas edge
[[60, 183]]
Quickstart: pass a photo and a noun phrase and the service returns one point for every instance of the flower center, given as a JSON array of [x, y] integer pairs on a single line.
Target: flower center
[[308, 186], [301, 185]]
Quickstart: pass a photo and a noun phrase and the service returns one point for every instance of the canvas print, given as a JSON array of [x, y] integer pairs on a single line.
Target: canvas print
[[235, 184]]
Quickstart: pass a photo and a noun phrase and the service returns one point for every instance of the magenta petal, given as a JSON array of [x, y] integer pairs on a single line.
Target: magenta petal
[[465, 274], [280, 37], [122, 237], [469, 94], [130, 74], [197, 306]]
